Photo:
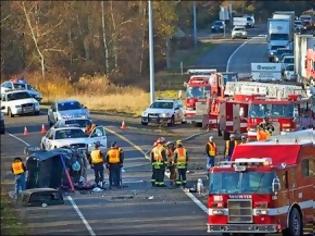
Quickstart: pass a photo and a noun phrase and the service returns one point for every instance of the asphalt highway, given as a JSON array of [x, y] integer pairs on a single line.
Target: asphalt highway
[[119, 211]]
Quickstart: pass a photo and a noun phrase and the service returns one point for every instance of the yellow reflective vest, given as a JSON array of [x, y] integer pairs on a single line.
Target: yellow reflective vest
[[17, 168], [212, 149], [96, 156], [113, 156]]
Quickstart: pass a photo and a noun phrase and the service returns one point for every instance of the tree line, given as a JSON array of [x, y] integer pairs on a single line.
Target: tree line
[[107, 37]]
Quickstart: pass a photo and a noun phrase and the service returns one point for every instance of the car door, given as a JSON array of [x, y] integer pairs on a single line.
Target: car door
[[98, 135], [179, 112], [4, 104], [48, 139]]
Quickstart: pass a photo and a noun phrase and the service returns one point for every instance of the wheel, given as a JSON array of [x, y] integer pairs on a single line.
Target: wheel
[[295, 223], [144, 123], [172, 123], [10, 112]]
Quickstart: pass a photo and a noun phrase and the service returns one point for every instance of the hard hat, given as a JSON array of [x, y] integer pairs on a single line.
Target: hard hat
[[243, 137], [162, 140], [179, 142], [169, 143], [114, 144], [211, 138], [232, 136], [97, 144]]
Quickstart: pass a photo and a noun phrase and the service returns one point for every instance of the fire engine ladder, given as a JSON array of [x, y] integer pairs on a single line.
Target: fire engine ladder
[[298, 137], [266, 89]]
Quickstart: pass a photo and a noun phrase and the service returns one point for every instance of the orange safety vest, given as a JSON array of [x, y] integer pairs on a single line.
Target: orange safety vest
[[113, 156], [181, 155], [227, 146], [96, 156], [262, 135], [17, 168], [157, 153], [212, 149]]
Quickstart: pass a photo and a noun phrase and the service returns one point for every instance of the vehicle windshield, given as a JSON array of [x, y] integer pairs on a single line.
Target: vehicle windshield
[[279, 37], [69, 133], [219, 23], [239, 29], [197, 92], [69, 106], [241, 182], [19, 86], [81, 123], [282, 51], [162, 105], [17, 96], [271, 110]]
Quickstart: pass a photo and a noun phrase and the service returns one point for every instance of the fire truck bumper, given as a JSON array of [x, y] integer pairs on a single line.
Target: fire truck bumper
[[242, 228]]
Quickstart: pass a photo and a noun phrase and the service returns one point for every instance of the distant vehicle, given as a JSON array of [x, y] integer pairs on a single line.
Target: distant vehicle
[[289, 73], [298, 26], [163, 111], [40, 197], [246, 21], [239, 32], [286, 60], [20, 85], [82, 123], [272, 50], [307, 21], [73, 137], [278, 54], [217, 26], [19, 102], [66, 109], [2, 127]]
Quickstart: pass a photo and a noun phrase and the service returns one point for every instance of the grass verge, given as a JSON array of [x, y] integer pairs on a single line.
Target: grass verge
[[10, 224]]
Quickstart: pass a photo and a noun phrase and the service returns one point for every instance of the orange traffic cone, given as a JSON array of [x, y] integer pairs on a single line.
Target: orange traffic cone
[[25, 131], [123, 125], [43, 130]]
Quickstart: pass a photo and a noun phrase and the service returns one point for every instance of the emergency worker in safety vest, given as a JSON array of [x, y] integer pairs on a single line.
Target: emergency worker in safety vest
[[114, 160], [212, 151], [158, 161], [18, 169], [97, 163], [181, 161], [262, 134], [229, 147], [171, 162], [243, 139]]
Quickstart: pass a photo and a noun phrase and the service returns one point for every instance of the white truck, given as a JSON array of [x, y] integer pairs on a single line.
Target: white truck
[[266, 71], [280, 31], [246, 21]]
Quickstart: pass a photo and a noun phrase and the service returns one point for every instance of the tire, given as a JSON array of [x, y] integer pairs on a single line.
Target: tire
[[144, 123], [10, 112], [172, 123], [295, 223]]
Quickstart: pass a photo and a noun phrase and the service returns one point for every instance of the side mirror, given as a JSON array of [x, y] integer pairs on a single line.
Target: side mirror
[[276, 186]]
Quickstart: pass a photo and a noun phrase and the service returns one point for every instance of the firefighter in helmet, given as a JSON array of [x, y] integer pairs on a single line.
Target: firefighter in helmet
[[159, 160], [170, 161], [181, 161], [18, 169], [229, 147]]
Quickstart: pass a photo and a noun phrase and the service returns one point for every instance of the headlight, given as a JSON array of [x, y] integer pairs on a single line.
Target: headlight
[[144, 113], [258, 212], [212, 27], [221, 27], [165, 114], [18, 106]]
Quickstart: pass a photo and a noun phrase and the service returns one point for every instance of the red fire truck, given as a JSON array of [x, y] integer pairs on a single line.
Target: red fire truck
[[285, 107], [202, 85], [310, 64], [268, 187]]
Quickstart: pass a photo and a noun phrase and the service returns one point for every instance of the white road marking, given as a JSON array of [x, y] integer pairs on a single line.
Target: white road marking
[[235, 51], [88, 227], [19, 139], [188, 194]]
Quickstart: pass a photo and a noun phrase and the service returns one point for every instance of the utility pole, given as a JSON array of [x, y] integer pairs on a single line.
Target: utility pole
[[152, 92], [195, 23]]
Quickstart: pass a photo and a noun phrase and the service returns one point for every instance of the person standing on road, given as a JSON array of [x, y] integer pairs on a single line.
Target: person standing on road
[[114, 160], [211, 150], [181, 161], [97, 163], [170, 162], [18, 169], [158, 160], [229, 147]]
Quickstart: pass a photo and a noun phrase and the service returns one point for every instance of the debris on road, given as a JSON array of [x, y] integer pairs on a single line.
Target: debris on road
[[151, 197], [97, 189]]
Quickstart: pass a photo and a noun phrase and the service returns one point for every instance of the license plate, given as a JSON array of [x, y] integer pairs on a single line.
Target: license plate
[[28, 109]]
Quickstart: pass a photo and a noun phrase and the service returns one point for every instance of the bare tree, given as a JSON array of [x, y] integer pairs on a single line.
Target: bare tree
[[104, 39]]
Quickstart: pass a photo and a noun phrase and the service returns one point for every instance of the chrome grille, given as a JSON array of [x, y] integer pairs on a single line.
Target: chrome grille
[[30, 105], [240, 211]]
